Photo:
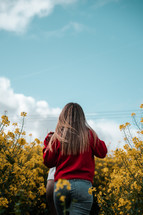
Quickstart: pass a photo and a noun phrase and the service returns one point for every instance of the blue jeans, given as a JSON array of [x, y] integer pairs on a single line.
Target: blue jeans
[[77, 202]]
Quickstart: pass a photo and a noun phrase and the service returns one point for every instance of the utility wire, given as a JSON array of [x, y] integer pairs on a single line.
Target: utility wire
[[94, 115]]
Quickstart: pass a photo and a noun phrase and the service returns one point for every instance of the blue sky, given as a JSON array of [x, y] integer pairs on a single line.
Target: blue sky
[[86, 51]]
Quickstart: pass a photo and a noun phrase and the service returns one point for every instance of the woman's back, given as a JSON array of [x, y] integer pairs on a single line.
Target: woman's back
[[80, 166]]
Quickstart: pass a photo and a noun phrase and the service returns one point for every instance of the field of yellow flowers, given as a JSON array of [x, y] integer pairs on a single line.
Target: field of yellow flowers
[[118, 179]]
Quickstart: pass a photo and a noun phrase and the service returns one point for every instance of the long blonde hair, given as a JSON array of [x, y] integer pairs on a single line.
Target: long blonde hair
[[72, 130]]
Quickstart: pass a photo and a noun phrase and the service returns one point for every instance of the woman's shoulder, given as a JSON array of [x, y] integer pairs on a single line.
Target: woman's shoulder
[[92, 136], [92, 133]]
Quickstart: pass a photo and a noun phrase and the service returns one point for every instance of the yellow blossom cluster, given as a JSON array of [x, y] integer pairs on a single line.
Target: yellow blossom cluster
[[22, 172], [62, 198], [23, 114], [124, 126], [119, 177], [5, 121], [62, 183], [91, 190]]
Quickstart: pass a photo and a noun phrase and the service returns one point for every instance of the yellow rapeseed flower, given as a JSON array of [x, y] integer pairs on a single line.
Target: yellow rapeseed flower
[[3, 202], [23, 133], [121, 127], [17, 131], [62, 198], [126, 146], [105, 169], [21, 141], [91, 190], [121, 202], [23, 114], [133, 114], [14, 124], [11, 134], [5, 120], [42, 190], [37, 141], [43, 205], [127, 124]]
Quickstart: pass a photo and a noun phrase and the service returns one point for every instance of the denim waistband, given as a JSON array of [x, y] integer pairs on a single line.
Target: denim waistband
[[78, 179]]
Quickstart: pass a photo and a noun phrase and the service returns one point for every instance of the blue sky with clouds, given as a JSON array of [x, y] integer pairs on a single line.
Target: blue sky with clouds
[[86, 51]]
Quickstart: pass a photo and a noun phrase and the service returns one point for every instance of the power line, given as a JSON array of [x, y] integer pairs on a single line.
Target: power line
[[93, 115]]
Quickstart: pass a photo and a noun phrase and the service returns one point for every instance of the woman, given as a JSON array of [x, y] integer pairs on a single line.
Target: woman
[[71, 150]]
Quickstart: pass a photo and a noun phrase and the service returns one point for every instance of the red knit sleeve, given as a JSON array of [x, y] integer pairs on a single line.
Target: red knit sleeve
[[99, 148], [50, 157], [47, 140]]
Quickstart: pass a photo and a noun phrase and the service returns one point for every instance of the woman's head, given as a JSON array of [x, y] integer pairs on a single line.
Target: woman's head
[[72, 116], [72, 130]]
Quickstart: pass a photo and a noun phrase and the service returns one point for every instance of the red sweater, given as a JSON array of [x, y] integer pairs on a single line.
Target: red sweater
[[79, 166]]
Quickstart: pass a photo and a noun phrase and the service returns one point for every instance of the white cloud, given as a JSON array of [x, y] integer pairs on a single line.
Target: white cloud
[[75, 27], [41, 118], [15, 15], [108, 131]]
